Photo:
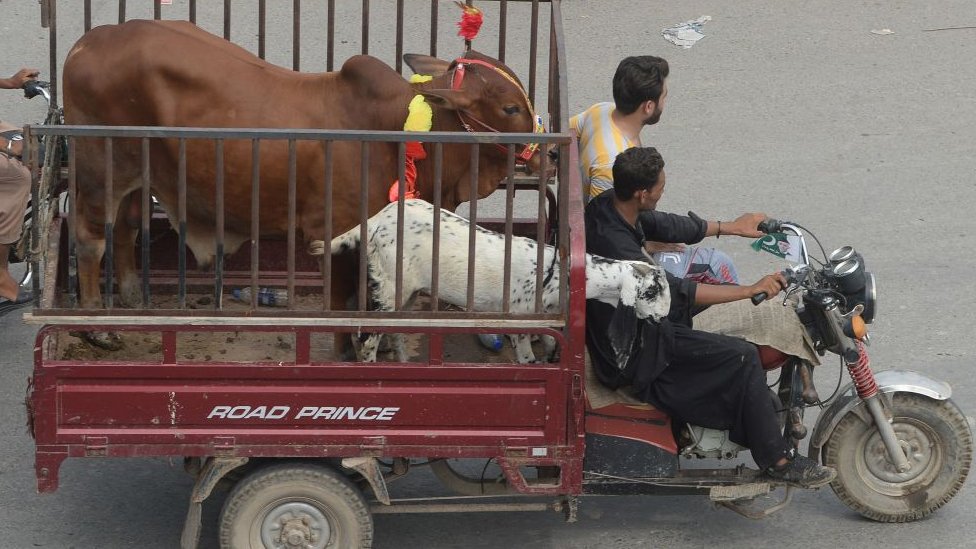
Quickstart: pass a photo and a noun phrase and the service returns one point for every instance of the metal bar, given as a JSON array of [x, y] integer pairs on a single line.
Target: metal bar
[[303, 351], [88, 13], [193, 11], [540, 233], [327, 232], [181, 190], [433, 28], [363, 217], [330, 41], [146, 215], [53, 52], [438, 201], [457, 508], [157, 10], [533, 48], [121, 11], [255, 217], [502, 28], [219, 251], [562, 204], [399, 36], [509, 215], [292, 207], [31, 152], [472, 228], [296, 35], [365, 44], [227, 19], [72, 223], [109, 216], [414, 321], [401, 195], [262, 26], [169, 346], [484, 138]]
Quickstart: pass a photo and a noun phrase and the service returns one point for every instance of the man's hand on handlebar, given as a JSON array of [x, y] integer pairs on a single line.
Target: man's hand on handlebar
[[745, 225], [20, 78], [768, 286]]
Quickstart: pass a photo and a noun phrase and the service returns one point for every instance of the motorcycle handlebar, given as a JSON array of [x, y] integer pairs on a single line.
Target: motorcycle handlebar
[[770, 225], [791, 278], [33, 88]]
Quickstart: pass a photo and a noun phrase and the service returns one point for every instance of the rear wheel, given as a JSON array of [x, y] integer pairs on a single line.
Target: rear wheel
[[937, 441], [295, 505]]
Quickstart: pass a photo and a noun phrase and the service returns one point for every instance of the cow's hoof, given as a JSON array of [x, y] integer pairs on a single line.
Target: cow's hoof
[[110, 341], [130, 295]]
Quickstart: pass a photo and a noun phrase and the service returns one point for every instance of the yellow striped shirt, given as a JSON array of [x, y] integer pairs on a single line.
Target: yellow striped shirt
[[600, 141]]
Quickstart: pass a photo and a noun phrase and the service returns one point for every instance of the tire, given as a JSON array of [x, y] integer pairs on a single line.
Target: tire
[[941, 445], [311, 505]]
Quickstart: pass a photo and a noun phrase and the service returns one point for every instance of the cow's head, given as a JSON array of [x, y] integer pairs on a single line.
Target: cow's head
[[485, 96]]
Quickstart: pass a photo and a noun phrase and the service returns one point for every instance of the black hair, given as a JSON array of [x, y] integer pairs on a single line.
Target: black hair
[[638, 79], [636, 169]]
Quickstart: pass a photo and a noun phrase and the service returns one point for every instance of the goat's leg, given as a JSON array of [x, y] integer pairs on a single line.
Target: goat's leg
[[523, 348], [549, 346]]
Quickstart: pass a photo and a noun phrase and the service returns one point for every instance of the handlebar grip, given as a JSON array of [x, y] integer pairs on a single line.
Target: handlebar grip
[[758, 298], [33, 88], [770, 225]]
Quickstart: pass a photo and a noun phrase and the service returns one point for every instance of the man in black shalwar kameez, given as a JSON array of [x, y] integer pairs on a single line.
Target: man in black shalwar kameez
[[697, 377]]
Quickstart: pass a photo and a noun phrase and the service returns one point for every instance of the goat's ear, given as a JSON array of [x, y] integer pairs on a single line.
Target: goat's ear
[[641, 268], [623, 333]]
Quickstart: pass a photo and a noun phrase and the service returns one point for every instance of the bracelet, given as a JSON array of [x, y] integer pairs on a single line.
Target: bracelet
[[719, 230]]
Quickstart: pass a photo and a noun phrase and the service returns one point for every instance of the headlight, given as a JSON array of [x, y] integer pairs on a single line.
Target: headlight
[[870, 298]]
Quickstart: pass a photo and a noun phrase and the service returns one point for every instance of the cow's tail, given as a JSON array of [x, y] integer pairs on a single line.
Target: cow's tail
[[344, 242]]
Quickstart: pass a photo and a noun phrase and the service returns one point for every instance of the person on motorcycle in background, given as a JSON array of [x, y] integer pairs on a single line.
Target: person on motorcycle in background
[[701, 378], [605, 130], [15, 185]]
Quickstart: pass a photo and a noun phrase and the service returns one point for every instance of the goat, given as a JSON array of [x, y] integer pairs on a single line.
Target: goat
[[634, 287]]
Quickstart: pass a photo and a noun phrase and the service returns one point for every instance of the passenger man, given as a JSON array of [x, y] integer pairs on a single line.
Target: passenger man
[[15, 184], [604, 130], [697, 377]]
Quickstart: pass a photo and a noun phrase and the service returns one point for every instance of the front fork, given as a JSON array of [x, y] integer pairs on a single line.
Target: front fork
[[855, 357]]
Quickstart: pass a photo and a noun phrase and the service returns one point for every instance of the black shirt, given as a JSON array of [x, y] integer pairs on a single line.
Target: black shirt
[[609, 235]]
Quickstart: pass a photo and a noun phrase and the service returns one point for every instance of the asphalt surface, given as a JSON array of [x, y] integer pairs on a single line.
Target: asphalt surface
[[793, 109]]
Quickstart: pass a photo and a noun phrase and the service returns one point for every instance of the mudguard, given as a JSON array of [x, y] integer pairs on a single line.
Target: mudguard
[[889, 382]]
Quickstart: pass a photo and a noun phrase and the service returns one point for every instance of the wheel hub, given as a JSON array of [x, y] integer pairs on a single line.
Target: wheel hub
[[295, 525], [919, 447]]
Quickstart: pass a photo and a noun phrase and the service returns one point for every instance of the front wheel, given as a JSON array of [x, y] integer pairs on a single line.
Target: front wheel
[[937, 441], [295, 505]]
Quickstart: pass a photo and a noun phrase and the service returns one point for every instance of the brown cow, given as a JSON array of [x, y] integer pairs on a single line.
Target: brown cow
[[169, 73]]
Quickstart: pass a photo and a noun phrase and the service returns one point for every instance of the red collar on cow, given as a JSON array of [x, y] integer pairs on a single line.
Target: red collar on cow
[[457, 78], [419, 119]]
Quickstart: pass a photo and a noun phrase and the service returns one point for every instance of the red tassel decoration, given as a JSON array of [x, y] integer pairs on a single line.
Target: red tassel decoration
[[470, 22]]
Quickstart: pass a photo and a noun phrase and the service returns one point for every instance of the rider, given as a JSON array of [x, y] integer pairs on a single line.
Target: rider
[[606, 129], [698, 377], [15, 184]]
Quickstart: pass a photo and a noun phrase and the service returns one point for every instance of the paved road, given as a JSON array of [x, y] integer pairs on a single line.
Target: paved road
[[795, 109]]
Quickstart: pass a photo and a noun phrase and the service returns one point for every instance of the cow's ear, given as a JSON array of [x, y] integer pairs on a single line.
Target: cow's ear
[[456, 100], [425, 64]]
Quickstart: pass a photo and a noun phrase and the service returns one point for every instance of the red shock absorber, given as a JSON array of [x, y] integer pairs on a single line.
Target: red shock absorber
[[862, 375]]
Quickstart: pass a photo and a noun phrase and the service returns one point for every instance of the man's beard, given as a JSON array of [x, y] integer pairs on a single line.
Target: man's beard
[[654, 118]]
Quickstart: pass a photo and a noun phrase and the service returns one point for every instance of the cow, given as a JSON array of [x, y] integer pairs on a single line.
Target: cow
[[172, 73], [635, 288]]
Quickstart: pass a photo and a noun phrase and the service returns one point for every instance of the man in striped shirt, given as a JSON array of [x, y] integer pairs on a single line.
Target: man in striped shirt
[[606, 129]]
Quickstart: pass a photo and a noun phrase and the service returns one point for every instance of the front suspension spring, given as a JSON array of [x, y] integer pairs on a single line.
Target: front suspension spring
[[862, 375]]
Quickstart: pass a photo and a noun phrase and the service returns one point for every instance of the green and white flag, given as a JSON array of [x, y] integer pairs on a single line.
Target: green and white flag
[[782, 245]]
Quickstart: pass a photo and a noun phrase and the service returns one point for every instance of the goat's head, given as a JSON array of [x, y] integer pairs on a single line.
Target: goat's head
[[643, 294]]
